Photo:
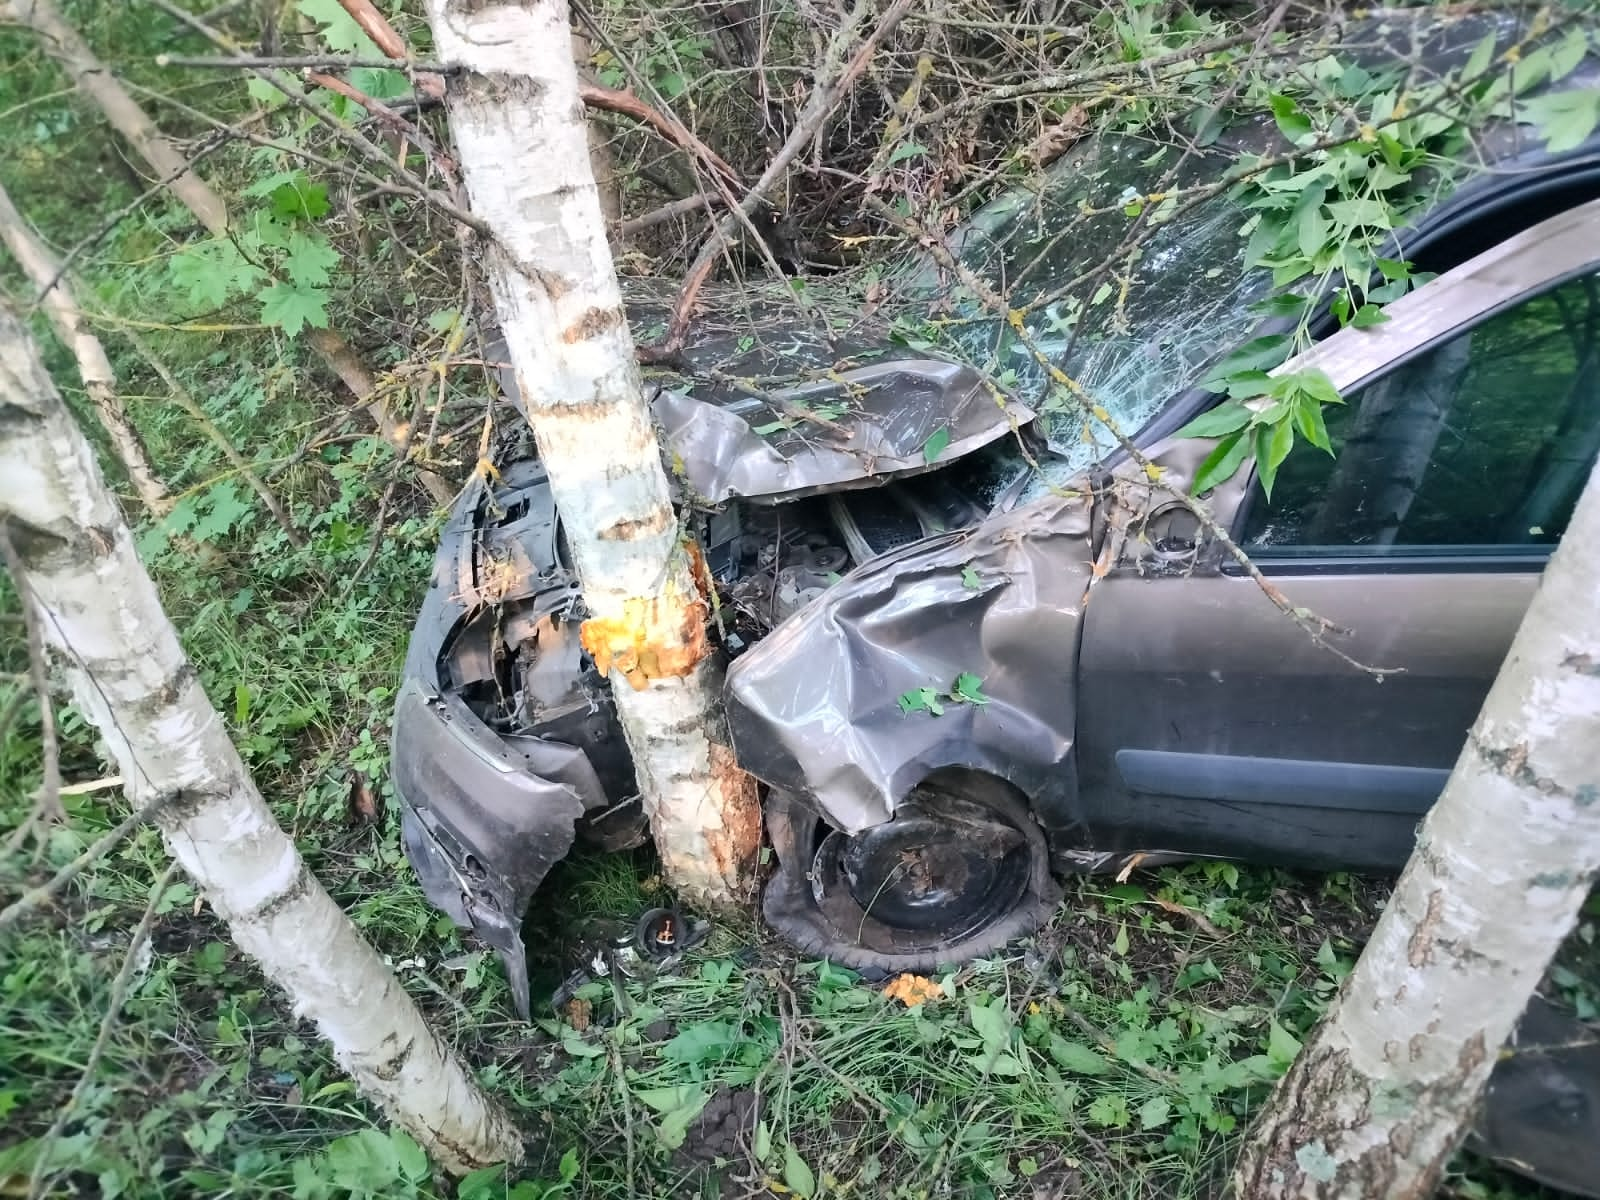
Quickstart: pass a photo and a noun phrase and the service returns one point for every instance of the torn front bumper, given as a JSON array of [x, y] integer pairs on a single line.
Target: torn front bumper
[[505, 745], [483, 823]]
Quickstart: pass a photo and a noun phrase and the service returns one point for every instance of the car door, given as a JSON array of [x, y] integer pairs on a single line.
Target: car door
[[1211, 723]]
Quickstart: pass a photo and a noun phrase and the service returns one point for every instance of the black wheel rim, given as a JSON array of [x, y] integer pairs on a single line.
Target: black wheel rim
[[943, 870]]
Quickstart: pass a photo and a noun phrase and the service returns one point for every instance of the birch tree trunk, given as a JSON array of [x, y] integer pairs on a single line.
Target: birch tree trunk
[[1378, 1098], [40, 266], [63, 43], [518, 124], [104, 623]]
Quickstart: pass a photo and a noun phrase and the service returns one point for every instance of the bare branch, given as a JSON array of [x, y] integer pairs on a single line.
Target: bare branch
[[90, 855]]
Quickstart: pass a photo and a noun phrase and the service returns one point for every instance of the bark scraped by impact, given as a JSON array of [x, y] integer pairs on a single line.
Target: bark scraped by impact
[[517, 117], [1377, 1100], [103, 620]]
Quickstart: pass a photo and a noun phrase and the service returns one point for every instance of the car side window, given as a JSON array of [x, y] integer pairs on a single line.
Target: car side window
[[1480, 444]]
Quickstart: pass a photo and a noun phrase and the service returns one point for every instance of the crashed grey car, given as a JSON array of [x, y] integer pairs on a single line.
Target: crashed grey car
[[973, 645]]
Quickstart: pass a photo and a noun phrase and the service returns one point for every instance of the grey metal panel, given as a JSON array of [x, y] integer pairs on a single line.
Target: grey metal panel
[[1298, 783]]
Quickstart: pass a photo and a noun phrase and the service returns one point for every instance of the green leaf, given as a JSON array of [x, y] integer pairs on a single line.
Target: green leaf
[[567, 1169], [486, 1183], [292, 308], [1109, 1110], [1076, 1057], [263, 93], [308, 258], [937, 441], [339, 28], [967, 689], [1308, 419], [380, 83], [1155, 1112], [1364, 212], [704, 1041], [1292, 123], [1566, 54], [1272, 445], [224, 508], [993, 1024], [770, 428], [1313, 382], [1482, 56], [970, 579], [1314, 230], [1223, 419], [1564, 119], [212, 272], [1282, 1046], [1258, 354], [796, 1175], [906, 150], [1222, 463], [300, 200], [675, 1121], [1367, 316], [923, 699], [413, 1162]]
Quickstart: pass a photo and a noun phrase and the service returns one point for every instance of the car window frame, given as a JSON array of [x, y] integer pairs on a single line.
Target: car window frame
[[1521, 268]]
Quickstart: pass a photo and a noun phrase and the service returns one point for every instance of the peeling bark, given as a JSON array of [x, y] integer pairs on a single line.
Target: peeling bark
[[94, 368], [516, 100], [1377, 1100], [131, 680]]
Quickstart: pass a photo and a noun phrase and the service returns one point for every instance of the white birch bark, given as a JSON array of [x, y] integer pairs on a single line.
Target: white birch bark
[[104, 623], [94, 368], [519, 130], [1377, 1100]]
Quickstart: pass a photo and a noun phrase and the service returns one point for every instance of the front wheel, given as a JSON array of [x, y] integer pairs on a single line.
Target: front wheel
[[960, 870]]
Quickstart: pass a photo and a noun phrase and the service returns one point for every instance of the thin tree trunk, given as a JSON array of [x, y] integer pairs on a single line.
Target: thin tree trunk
[[133, 683], [63, 43], [1376, 1101], [517, 102], [40, 266]]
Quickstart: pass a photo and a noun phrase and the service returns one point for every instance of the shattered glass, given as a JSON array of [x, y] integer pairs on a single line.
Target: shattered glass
[[1134, 311]]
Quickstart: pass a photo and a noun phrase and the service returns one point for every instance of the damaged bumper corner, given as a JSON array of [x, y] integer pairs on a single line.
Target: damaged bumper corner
[[483, 823]]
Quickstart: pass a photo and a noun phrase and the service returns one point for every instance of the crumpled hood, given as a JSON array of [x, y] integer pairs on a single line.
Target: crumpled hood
[[815, 707], [878, 422]]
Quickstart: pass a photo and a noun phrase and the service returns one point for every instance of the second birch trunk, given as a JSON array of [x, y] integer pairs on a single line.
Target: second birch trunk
[[519, 130], [132, 682]]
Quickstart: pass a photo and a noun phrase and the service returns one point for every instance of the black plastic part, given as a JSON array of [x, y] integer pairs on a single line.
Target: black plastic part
[[1541, 1112], [481, 830]]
